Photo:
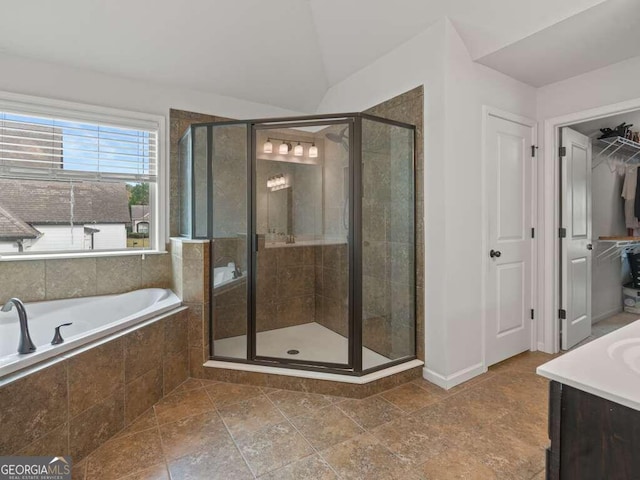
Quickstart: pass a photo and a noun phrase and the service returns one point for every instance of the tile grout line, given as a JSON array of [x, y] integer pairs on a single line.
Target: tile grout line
[[233, 440], [162, 447], [317, 452]]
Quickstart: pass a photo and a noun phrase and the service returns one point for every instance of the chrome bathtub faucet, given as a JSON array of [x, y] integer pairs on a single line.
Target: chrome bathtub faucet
[[26, 344]]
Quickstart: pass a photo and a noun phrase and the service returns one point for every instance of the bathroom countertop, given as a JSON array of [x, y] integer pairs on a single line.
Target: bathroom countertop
[[608, 367]]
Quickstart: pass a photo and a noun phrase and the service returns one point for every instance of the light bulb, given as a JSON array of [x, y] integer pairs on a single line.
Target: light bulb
[[283, 149], [268, 146], [298, 151], [313, 151]]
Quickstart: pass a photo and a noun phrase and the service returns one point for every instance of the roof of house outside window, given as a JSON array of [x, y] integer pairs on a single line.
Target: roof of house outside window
[[140, 213], [12, 228], [62, 203]]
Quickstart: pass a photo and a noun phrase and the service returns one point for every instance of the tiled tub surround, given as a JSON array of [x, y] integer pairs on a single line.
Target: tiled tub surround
[[190, 266], [74, 405], [39, 280], [86, 320]]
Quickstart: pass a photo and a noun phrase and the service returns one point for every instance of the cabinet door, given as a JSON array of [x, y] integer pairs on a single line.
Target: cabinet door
[[591, 438]]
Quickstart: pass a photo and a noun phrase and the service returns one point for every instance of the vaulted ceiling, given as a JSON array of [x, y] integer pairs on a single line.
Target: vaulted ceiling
[[280, 52]]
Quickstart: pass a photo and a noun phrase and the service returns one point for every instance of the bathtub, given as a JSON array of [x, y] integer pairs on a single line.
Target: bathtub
[[93, 318], [225, 277]]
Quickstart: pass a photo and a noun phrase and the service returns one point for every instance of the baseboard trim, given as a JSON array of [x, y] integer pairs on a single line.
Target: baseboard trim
[[608, 314], [454, 379]]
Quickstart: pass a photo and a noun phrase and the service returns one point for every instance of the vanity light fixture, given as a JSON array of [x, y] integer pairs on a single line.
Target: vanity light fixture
[[277, 182], [313, 151], [284, 148]]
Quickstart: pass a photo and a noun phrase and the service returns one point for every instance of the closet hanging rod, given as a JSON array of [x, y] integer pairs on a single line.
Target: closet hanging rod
[[616, 245]]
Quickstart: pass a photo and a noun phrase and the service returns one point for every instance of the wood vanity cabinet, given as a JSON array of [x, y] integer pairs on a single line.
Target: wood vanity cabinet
[[591, 438]]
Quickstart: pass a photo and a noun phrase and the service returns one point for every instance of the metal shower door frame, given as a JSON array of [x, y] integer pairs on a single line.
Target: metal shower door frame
[[354, 357], [354, 120]]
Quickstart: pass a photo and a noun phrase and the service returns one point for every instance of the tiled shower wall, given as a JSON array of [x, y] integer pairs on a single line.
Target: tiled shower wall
[[286, 287], [285, 296], [378, 331], [329, 291], [332, 287]]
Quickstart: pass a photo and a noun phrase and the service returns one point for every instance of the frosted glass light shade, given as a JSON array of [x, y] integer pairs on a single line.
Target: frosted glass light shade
[[313, 151], [267, 147], [298, 150], [283, 149]]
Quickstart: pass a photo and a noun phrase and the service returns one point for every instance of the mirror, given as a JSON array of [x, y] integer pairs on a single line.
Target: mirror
[[280, 211], [289, 200]]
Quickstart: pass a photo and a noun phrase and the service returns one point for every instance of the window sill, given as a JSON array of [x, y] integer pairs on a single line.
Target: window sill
[[55, 256]]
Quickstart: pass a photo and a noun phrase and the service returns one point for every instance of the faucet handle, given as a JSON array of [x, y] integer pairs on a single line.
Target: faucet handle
[[57, 338]]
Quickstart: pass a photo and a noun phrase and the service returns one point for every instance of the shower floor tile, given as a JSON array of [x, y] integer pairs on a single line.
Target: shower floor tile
[[314, 342]]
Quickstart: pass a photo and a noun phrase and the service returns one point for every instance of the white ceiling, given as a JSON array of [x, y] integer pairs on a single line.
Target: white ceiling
[[602, 35], [280, 52]]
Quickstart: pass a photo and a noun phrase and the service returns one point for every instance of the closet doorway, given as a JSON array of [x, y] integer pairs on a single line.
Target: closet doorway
[[599, 233]]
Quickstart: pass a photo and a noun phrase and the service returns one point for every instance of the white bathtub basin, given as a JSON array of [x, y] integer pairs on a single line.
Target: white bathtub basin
[[92, 317]]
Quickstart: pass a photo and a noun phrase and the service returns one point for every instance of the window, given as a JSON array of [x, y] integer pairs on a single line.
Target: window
[[78, 180]]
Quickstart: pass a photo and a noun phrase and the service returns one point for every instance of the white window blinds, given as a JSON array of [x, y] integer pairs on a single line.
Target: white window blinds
[[37, 147]]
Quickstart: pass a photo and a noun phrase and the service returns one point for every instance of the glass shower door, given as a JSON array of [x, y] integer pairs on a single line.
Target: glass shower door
[[302, 267], [225, 218], [388, 243]]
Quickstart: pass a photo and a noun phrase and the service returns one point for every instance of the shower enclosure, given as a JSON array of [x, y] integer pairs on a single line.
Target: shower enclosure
[[312, 229]]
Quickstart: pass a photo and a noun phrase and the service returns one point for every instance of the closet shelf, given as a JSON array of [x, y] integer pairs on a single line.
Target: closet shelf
[[616, 245], [621, 147]]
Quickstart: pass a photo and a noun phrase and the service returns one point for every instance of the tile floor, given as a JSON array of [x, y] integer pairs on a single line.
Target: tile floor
[[493, 427], [608, 325]]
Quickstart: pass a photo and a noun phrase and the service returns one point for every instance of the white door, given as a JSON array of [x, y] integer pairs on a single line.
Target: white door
[[508, 174], [576, 246]]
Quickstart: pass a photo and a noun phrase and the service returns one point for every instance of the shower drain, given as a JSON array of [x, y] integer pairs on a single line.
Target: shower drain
[[293, 352]]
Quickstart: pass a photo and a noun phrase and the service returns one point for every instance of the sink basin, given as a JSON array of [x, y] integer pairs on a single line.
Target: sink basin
[[626, 352]]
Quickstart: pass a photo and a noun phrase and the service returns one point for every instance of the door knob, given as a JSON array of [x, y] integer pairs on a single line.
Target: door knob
[[589, 246], [495, 253]]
